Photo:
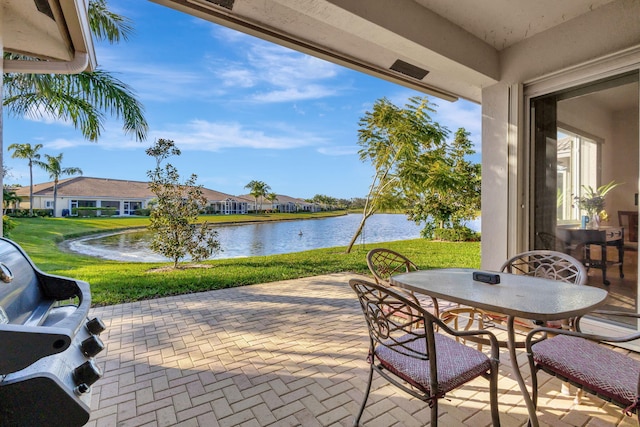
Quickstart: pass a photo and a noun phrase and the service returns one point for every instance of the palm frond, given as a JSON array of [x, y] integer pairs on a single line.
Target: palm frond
[[95, 93], [106, 25]]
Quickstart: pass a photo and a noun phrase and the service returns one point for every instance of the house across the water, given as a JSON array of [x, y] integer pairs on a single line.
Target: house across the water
[[123, 198], [281, 203]]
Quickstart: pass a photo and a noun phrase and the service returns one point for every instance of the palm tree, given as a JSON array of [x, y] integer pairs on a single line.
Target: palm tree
[[30, 153], [258, 189], [53, 166], [272, 197], [81, 98]]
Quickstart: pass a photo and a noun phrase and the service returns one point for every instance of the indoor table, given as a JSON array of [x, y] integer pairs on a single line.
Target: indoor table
[[515, 295]]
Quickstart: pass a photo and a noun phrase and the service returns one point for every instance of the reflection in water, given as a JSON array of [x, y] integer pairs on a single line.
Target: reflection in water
[[263, 238]]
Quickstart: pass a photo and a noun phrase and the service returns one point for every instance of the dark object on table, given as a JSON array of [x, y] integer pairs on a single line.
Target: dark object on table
[[491, 278]]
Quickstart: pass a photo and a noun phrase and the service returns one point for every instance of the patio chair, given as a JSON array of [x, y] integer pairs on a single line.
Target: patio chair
[[548, 265], [408, 352], [587, 362], [384, 263]]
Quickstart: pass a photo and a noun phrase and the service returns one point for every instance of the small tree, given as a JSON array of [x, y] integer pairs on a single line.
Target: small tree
[[443, 186], [392, 138], [174, 218]]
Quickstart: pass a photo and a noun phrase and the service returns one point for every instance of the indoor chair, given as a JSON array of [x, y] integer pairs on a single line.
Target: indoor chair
[[629, 220]]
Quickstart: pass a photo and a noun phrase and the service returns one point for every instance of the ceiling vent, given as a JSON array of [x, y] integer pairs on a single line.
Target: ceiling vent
[[227, 4], [409, 70], [44, 7]]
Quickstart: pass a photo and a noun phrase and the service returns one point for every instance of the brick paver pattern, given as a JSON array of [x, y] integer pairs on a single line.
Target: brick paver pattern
[[290, 353]]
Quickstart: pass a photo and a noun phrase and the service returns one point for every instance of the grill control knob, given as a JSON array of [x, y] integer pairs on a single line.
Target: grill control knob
[[92, 346], [96, 326], [87, 373]]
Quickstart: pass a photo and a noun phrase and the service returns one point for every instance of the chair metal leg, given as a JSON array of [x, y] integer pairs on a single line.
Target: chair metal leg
[[534, 385], [434, 413], [356, 422], [493, 394]]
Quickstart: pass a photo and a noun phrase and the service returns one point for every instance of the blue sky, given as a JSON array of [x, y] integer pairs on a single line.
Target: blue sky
[[239, 108]]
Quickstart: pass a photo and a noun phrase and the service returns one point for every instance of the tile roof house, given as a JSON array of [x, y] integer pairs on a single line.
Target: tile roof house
[[283, 203], [125, 196]]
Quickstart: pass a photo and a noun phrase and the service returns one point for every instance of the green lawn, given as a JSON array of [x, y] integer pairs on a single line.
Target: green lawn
[[115, 282]]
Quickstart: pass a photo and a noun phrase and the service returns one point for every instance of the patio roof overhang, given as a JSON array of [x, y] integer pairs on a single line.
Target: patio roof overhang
[[56, 31], [447, 49]]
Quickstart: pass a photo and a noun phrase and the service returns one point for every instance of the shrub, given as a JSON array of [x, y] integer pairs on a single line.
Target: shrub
[[24, 213], [456, 234], [7, 225], [142, 212], [92, 211]]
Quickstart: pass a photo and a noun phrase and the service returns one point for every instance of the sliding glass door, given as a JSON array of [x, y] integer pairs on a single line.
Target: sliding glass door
[[583, 140]]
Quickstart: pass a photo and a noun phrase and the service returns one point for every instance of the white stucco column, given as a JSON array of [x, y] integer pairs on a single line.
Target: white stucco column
[[495, 175]]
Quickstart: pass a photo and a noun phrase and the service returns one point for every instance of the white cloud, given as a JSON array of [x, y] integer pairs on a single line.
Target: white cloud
[[294, 94], [237, 77], [230, 36], [111, 138], [276, 74], [281, 74], [41, 115], [344, 150], [62, 143], [213, 136], [158, 82], [460, 114]]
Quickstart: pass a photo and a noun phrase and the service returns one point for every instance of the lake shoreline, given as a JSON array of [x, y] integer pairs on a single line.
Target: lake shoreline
[[252, 238]]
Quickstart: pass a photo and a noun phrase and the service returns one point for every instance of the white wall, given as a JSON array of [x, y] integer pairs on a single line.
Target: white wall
[[623, 161], [607, 30]]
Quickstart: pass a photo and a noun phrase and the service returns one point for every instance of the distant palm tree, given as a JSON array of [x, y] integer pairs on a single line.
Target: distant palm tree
[[53, 166], [30, 153], [258, 189], [81, 98], [272, 197]]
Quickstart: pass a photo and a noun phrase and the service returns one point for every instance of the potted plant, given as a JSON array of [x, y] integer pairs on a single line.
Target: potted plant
[[592, 201]]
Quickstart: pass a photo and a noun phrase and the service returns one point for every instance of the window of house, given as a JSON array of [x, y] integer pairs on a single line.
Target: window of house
[[578, 166]]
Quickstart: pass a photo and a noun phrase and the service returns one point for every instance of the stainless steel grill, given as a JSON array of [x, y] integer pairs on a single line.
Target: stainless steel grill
[[47, 344]]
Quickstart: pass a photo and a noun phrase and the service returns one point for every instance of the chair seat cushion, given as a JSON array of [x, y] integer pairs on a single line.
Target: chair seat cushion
[[456, 363], [599, 369]]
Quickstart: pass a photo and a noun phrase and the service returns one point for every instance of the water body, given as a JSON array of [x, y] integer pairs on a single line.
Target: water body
[[262, 238]]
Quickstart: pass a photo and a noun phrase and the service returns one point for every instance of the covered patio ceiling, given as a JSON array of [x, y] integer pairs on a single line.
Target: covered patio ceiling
[[439, 47], [56, 31]]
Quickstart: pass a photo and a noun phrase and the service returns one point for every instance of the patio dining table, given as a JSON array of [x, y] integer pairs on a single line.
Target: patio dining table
[[514, 296]]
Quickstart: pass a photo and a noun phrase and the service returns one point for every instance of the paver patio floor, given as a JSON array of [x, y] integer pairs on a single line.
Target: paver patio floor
[[290, 353]]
